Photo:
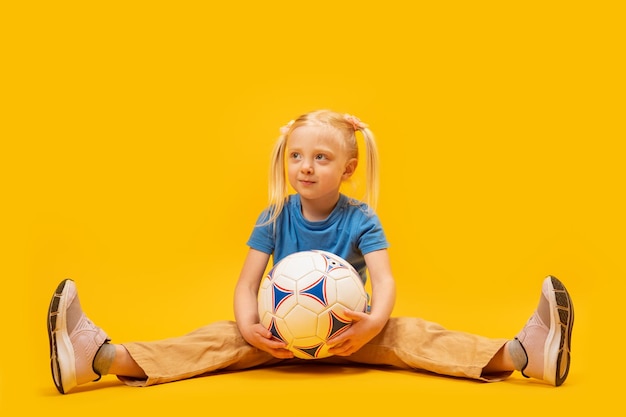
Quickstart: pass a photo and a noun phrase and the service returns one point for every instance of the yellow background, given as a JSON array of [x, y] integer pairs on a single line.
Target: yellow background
[[135, 148]]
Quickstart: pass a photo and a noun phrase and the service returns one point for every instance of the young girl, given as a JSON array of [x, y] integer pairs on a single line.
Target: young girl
[[320, 152]]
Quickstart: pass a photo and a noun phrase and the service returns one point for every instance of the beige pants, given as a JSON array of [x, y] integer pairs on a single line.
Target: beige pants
[[407, 343]]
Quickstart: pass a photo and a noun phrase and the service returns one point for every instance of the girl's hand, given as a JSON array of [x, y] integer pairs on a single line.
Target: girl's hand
[[261, 338], [363, 329]]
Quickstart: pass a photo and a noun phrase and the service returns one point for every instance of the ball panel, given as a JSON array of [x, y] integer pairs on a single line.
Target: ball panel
[[283, 299], [312, 292], [279, 329], [351, 293], [301, 322], [309, 348], [296, 267], [339, 322]]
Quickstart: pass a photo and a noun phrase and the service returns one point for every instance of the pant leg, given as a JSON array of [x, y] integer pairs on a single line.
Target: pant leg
[[414, 343], [217, 346]]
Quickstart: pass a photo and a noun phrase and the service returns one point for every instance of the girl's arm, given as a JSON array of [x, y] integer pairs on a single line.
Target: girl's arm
[[383, 286], [246, 309], [366, 326]]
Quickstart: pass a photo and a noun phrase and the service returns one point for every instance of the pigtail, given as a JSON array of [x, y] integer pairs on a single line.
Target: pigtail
[[371, 159], [277, 188], [372, 168]]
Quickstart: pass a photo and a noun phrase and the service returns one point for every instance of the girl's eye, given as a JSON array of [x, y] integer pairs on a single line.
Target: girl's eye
[[320, 156], [295, 155]]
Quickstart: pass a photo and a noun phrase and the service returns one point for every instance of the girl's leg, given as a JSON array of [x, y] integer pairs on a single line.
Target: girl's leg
[[541, 349], [216, 347], [80, 352], [414, 343]]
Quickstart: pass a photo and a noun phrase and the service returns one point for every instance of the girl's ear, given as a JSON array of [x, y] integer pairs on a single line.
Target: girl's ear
[[350, 168]]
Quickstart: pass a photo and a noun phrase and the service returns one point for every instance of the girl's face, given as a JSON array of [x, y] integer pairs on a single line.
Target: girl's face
[[317, 163]]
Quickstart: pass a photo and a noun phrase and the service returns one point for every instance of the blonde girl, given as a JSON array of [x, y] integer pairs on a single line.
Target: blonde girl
[[315, 154]]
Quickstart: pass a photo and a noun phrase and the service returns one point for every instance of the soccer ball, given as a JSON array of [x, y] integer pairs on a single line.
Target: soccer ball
[[303, 297]]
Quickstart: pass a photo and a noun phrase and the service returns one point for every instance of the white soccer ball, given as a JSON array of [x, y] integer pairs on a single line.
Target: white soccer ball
[[303, 298]]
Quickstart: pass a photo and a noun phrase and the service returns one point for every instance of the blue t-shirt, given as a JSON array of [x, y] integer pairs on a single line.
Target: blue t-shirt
[[350, 231]]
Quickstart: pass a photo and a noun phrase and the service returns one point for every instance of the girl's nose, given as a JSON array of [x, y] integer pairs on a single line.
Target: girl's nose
[[307, 168]]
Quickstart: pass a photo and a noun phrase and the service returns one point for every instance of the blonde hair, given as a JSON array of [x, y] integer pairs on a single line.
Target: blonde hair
[[347, 126]]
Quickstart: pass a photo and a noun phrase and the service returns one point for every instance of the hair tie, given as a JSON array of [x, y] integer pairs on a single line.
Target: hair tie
[[285, 129], [356, 123]]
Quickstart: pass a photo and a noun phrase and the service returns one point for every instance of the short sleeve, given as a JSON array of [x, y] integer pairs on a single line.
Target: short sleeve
[[263, 237], [372, 236]]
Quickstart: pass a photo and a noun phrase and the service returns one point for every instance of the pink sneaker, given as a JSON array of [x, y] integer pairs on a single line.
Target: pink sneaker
[[547, 336], [74, 339]]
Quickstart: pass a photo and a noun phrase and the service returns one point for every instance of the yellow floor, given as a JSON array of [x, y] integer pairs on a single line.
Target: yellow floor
[[320, 389], [312, 389]]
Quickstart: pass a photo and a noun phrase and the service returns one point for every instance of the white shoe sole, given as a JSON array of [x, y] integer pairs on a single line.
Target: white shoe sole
[[62, 361]]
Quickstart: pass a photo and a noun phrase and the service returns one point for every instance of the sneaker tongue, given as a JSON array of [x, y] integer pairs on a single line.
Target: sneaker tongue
[[543, 311], [535, 319]]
